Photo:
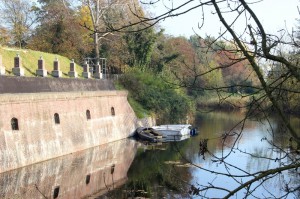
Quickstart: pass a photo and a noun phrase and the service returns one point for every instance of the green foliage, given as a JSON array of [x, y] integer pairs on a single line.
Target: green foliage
[[162, 55], [139, 110], [221, 66], [286, 94], [139, 188], [140, 46], [155, 95], [59, 31]]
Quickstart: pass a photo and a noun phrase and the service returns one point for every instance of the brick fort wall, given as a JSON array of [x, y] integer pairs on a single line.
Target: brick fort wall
[[11, 84]]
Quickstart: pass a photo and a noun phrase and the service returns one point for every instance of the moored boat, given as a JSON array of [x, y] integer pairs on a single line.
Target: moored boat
[[148, 134], [175, 129]]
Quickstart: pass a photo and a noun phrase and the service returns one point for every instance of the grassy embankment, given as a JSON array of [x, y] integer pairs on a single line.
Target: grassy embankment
[[30, 64], [30, 59], [236, 102]]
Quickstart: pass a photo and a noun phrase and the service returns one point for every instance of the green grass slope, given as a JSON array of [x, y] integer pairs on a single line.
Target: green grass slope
[[30, 59]]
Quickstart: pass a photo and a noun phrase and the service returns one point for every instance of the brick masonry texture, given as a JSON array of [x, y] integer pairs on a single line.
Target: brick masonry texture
[[9, 84], [39, 138], [34, 101]]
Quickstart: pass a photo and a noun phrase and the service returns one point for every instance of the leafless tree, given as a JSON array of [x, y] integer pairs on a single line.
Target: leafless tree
[[257, 46], [103, 12], [251, 43]]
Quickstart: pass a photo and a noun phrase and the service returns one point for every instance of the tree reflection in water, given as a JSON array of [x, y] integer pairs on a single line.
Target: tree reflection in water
[[166, 171], [171, 170]]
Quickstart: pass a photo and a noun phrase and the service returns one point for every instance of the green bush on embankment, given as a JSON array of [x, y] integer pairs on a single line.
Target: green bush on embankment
[[30, 61], [147, 91]]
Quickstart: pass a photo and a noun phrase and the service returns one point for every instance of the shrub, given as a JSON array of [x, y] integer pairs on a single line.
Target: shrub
[[149, 90]]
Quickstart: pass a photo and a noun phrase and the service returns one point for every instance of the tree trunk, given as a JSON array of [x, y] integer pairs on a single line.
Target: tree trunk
[[96, 46]]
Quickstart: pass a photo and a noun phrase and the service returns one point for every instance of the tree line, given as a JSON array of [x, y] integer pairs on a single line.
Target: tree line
[[80, 29], [87, 28], [126, 35], [168, 74], [271, 86]]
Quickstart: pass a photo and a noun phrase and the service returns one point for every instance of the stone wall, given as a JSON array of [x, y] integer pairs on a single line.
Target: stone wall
[[29, 132], [12, 84]]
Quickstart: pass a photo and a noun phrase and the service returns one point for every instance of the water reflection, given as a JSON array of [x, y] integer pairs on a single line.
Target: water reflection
[[78, 175], [260, 146], [164, 170], [175, 138]]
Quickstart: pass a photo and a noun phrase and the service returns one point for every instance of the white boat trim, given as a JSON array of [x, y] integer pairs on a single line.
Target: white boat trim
[[174, 129]]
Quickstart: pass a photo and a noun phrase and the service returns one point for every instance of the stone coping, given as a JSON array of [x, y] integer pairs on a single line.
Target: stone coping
[[10, 84], [29, 97]]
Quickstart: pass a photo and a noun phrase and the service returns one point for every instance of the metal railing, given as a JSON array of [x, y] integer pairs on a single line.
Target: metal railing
[[94, 61]]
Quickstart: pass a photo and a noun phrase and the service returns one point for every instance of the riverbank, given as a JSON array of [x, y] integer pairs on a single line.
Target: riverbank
[[230, 103], [238, 103]]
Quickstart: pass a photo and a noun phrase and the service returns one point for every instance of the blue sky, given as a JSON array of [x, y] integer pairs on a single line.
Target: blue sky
[[274, 15]]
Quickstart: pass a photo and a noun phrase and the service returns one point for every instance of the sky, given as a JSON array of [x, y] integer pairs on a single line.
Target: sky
[[274, 15]]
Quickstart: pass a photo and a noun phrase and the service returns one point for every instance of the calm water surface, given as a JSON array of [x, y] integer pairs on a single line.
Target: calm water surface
[[129, 168], [163, 171]]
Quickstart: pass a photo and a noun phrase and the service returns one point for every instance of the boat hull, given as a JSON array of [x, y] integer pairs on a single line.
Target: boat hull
[[148, 134]]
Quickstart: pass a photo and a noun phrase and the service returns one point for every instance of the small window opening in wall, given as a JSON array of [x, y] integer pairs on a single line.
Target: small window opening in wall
[[112, 169], [56, 192], [56, 118], [113, 111], [14, 124], [88, 114], [87, 179]]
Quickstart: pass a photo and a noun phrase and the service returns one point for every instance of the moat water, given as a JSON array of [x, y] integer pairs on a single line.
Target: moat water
[[176, 169]]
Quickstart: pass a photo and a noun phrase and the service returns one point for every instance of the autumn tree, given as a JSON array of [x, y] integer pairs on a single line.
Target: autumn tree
[[59, 31], [95, 18], [18, 17], [4, 36], [248, 47], [98, 14], [238, 77]]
